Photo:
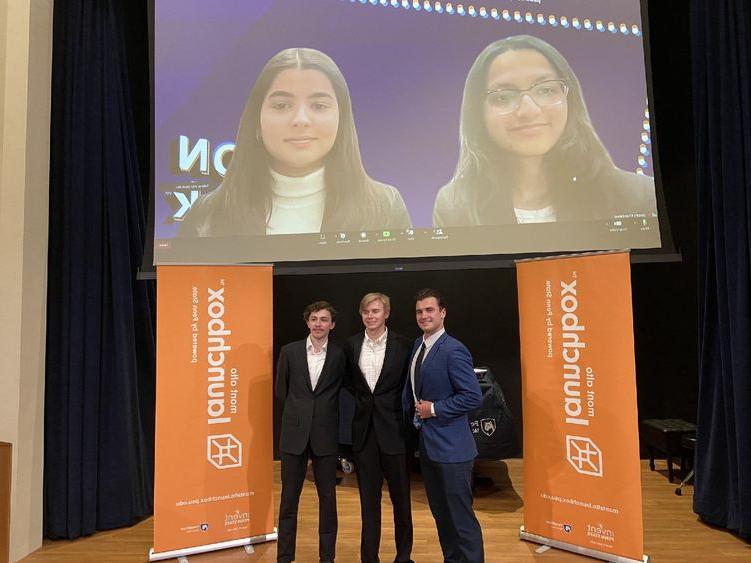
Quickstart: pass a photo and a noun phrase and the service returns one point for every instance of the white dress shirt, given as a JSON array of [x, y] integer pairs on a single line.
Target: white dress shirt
[[315, 361], [371, 358], [429, 342]]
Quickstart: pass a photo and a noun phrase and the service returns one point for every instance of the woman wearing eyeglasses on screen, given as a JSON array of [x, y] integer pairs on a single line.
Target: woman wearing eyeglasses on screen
[[296, 167], [529, 153]]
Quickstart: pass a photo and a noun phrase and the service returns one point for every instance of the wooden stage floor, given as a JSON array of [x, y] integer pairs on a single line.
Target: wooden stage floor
[[672, 531]]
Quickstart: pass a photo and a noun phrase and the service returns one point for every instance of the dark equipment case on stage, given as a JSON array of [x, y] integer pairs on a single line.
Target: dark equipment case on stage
[[492, 423]]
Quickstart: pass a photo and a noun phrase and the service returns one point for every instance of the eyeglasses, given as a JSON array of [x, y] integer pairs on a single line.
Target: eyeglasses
[[544, 94]]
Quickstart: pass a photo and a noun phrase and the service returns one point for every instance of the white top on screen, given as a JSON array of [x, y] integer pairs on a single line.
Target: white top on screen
[[544, 215], [297, 204]]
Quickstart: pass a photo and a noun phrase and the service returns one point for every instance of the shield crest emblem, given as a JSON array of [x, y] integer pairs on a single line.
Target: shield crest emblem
[[488, 426]]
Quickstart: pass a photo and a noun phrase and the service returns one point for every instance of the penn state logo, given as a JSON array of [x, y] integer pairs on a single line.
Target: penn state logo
[[488, 426]]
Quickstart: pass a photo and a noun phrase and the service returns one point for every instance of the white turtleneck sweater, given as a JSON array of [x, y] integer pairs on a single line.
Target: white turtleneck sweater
[[544, 215], [297, 204]]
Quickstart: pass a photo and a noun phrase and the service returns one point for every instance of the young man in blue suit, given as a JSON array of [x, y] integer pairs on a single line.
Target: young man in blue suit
[[440, 390]]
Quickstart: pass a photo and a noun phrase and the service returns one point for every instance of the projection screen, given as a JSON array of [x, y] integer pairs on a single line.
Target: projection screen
[[297, 130]]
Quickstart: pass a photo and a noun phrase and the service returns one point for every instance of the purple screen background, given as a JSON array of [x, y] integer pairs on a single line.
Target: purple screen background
[[405, 70]]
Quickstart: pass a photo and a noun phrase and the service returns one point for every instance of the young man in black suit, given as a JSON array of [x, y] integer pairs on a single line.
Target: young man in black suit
[[377, 362], [308, 379]]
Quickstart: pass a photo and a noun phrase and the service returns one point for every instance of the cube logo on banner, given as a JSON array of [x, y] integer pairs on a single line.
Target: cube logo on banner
[[224, 451], [584, 455]]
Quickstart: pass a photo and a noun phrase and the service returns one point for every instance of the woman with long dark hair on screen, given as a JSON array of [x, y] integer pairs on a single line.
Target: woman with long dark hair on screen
[[296, 167], [529, 153]]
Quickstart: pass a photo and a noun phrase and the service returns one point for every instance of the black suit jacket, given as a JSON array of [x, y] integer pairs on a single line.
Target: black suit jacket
[[382, 407], [309, 415]]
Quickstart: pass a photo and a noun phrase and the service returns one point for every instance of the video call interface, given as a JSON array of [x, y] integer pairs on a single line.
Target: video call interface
[[299, 130]]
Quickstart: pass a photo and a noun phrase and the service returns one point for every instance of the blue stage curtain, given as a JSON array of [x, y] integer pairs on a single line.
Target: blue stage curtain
[[721, 36], [99, 396]]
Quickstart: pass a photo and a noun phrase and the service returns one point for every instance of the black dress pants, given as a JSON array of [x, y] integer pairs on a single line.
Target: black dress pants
[[372, 466], [294, 468]]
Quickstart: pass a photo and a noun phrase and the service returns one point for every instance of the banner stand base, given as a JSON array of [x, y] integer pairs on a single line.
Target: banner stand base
[[154, 556], [578, 549]]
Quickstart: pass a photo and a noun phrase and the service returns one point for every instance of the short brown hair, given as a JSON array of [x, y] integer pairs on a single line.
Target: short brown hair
[[319, 306], [427, 293], [369, 297]]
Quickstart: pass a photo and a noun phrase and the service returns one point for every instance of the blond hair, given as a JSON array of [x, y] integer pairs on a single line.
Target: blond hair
[[370, 297]]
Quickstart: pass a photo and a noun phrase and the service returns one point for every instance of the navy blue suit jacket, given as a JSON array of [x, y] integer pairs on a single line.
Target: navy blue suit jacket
[[448, 381]]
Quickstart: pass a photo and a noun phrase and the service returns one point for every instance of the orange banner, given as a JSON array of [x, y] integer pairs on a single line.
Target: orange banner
[[582, 480], [214, 451]]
